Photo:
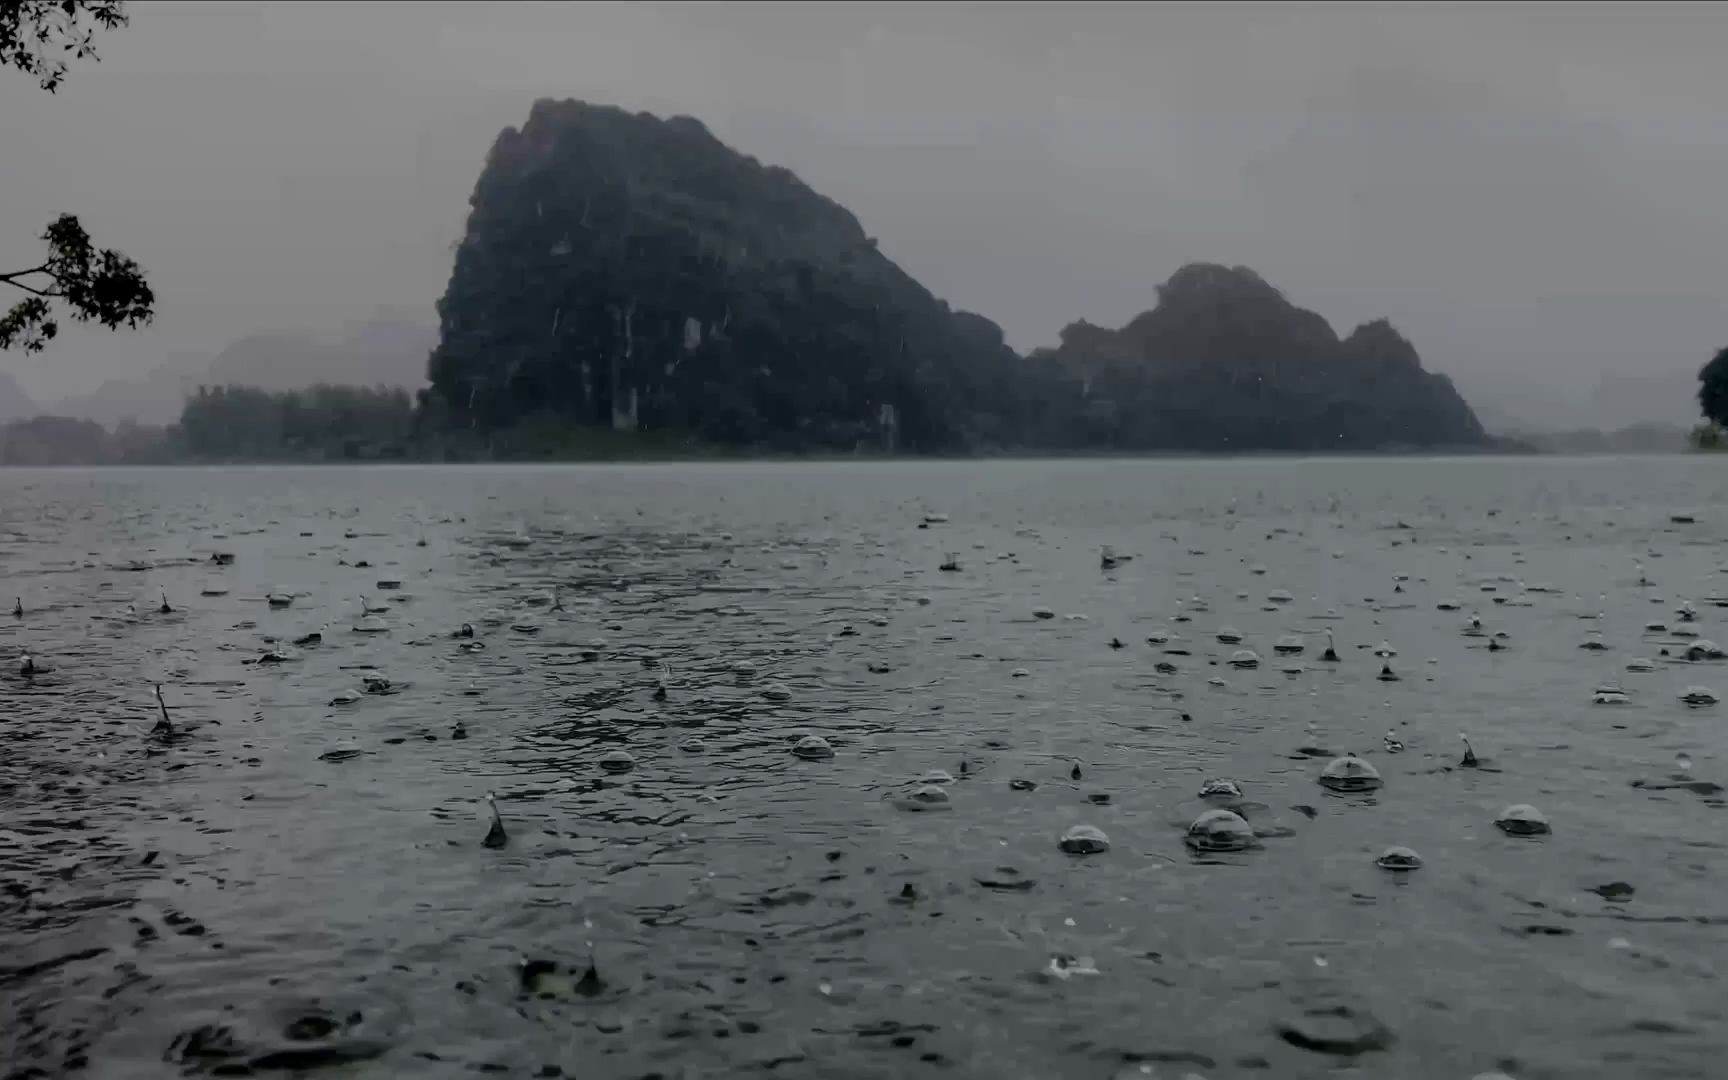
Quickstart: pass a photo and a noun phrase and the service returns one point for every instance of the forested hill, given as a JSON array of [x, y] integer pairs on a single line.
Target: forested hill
[[1225, 362], [624, 270], [631, 272]]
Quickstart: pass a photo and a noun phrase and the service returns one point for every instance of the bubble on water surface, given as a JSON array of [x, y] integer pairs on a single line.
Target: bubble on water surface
[[1398, 858], [1522, 819], [1084, 840], [926, 797], [1350, 773], [1220, 830], [617, 761], [813, 747]]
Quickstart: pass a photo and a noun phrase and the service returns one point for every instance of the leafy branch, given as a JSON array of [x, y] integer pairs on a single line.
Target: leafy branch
[[95, 284], [38, 36]]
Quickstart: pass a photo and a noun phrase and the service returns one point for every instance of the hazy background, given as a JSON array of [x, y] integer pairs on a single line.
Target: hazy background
[[1536, 195]]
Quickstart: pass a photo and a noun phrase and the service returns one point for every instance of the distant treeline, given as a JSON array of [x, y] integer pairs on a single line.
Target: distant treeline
[[230, 423], [351, 423], [1648, 438]]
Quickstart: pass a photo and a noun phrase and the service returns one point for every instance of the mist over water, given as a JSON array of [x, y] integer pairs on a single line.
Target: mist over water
[[287, 883]]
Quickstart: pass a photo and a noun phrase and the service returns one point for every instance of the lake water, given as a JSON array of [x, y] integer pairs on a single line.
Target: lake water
[[238, 900]]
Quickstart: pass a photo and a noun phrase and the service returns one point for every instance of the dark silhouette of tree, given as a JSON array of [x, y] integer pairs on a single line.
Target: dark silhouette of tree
[[92, 284], [1713, 389]]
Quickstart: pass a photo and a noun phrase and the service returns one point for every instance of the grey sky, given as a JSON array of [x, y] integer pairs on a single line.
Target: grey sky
[[1532, 193]]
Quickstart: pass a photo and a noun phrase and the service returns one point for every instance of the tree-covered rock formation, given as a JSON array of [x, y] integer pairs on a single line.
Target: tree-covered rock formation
[[1225, 362], [623, 270], [1713, 389], [635, 273]]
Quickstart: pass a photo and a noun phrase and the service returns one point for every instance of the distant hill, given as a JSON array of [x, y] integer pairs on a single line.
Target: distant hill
[[1507, 402], [1624, 400], [15, 404], [624, 271], [1225, 362], [377, 352]]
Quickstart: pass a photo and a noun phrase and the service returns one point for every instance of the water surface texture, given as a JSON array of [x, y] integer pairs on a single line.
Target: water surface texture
[[286, 886]]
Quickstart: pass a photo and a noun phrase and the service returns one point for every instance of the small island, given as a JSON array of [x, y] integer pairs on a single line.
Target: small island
[[626, 272]]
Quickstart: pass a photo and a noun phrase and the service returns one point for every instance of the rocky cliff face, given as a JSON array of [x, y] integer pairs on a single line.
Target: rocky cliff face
[[1225, 362], [631, 272], [624, 270]]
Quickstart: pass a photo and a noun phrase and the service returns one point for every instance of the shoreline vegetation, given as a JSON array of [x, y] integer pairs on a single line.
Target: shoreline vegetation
[[374, 427], [335, 425]]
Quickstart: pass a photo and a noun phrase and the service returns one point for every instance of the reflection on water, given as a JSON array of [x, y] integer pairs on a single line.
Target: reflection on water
[[715, 705]]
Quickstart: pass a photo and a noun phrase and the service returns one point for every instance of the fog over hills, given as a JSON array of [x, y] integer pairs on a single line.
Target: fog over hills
[[1508, 404], [386, 350], [15, 404]]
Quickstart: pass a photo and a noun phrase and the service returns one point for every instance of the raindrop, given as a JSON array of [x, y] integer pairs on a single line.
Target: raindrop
[[927, 797], [1350, 773], [1698, 696], [1704, 649], [617, 761], [496, 837], [1522, 819], [1398, 858], [812, 748], [1470, 761], [1084, 840], [1220, 830], [1220, 787]]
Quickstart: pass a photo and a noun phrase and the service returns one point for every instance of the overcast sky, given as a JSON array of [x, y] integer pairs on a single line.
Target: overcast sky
[[1533, 194]]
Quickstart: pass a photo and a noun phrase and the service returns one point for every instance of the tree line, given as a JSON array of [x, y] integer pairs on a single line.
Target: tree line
[[231, 423]]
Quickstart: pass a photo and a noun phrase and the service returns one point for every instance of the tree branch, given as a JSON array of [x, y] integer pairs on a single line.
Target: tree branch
[[49, 294], [12, 278]]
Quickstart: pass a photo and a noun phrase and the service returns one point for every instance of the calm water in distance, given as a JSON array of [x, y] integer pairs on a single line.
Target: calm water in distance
[[293, 884]]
